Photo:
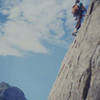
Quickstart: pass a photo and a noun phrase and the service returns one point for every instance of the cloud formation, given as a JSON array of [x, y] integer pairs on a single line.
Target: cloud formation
[[31, 22]]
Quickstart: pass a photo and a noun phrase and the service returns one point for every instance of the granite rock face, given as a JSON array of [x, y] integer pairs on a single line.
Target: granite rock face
[[10, 93], [79, 75]]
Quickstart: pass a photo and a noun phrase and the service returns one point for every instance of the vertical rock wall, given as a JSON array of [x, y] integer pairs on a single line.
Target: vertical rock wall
[[79, 75]]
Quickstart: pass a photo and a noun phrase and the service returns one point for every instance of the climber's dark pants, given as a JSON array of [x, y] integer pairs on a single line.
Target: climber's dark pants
[[78, 24]]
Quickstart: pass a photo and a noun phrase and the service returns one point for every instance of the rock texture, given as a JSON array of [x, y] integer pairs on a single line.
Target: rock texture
[[79, 75], [10, 93]]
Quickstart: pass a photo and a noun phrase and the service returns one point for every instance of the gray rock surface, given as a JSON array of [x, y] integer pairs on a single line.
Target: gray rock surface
[[79, 75]]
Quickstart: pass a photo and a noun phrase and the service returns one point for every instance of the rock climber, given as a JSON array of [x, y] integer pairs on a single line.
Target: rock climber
[[78, 12]]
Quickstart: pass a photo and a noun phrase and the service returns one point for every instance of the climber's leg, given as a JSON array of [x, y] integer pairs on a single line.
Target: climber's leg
[[78, 25]]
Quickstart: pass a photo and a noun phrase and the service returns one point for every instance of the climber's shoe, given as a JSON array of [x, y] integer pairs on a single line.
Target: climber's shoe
[[74, 34]]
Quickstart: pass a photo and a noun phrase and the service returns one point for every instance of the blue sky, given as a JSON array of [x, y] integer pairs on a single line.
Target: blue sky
[[34, 37], [34, 74]]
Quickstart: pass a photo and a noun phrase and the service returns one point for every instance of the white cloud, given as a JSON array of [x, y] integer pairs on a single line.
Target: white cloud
[[32, 21]]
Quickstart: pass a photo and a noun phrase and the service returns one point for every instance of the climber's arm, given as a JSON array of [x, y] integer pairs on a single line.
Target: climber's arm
[[84, 9]]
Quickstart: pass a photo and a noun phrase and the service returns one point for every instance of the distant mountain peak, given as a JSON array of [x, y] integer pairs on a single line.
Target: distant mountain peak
[[8, 92]]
